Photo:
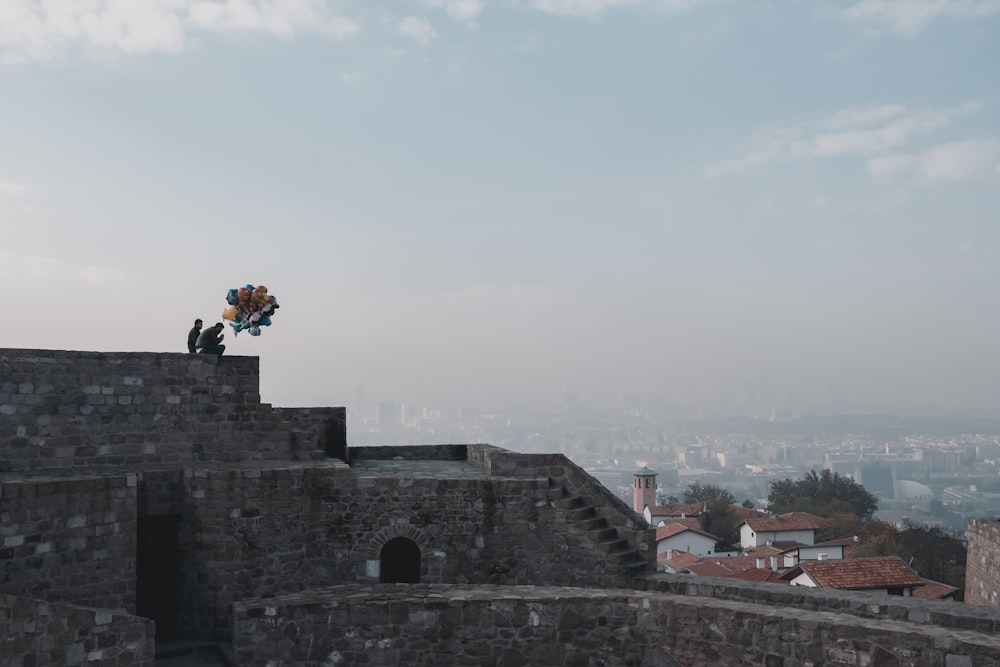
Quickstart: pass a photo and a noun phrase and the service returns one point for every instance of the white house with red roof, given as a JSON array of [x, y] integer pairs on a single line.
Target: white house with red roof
[[888, 575], [656, 514], [684, 537], [793, 528]]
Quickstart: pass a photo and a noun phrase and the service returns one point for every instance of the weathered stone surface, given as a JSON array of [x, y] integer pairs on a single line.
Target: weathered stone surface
[[982, 581], [582, 626], [281, 533], [71, 409], [44, 634]]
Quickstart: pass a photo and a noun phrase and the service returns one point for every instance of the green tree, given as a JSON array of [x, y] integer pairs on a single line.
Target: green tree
[[933, 553], [717, 517], [696, 492], [840, 525], [878, 538], [824, 494]]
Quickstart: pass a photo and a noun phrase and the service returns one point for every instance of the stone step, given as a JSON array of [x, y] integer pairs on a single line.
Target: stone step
[[633, 568], [615, 547], [586, 513], [595, 523], [605, 535], [568, 503]]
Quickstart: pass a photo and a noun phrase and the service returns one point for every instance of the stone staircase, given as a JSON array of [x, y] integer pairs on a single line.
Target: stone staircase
[[575, 509]]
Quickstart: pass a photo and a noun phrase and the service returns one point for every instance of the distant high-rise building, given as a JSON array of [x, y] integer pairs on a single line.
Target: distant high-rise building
[[359, 400], [386, 413]]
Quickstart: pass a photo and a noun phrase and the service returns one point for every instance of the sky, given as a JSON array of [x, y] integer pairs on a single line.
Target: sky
[[786, 203]]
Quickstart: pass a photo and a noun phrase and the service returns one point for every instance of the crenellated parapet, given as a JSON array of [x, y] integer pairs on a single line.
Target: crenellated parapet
[[63, 409]]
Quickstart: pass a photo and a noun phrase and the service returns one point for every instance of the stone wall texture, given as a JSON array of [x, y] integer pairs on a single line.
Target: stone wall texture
[[275, 530], [34, 633], [513, 626], [264, 532], [982, 570], [70, 539], [65, 409]]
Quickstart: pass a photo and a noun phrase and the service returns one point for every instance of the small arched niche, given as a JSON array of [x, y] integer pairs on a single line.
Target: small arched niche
[[399, 562]]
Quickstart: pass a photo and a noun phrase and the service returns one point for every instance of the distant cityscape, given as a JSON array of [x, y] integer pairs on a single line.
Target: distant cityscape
[[937, 471]]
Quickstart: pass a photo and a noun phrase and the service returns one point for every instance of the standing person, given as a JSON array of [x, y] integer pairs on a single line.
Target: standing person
[[210, 340], [193, 337]]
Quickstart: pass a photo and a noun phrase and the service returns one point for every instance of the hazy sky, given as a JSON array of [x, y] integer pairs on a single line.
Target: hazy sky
[[476, 200]]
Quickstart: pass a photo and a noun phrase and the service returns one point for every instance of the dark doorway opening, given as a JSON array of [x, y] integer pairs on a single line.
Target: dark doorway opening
[[158, 574], [399, 562]]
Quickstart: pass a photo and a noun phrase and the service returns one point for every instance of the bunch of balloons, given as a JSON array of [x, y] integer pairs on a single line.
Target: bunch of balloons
[[250, 308]]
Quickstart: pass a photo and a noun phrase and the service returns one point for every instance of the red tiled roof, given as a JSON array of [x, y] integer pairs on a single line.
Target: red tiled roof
[[679, 509], [765, 523], [679, 559], [758, 574], [933, 590], [743, 513], [733, 563], [766, 550], [708, 569], [857, 574], [676, 528], [736, 567], [690, 523]]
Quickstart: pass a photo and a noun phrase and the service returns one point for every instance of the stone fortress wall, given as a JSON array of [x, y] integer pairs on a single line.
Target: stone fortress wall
[[159, 485], [982, 573], [48, 634], [704, 624], [64, 409]]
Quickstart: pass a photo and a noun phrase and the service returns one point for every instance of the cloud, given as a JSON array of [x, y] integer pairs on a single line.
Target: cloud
[[417, 29], [975, 159], [579, 7], [10, 189], [886, 165], [39, 268], [597, 7], [17, 267], [280, 17], [96, 276], [15, 198], [969, 160], [463, 11], [909, 17], [49, 29], [501, 298], [873, 131]]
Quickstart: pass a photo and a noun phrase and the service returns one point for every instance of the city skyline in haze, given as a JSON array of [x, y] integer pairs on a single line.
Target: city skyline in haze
[[496, 203]]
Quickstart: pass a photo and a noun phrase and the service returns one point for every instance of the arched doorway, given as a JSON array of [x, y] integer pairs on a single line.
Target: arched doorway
[[399, 562]]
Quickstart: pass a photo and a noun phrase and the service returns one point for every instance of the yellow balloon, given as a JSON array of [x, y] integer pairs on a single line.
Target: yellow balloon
[[229, 313]]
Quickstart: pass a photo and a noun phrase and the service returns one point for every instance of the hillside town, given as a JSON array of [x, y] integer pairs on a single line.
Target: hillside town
[[927, 476]]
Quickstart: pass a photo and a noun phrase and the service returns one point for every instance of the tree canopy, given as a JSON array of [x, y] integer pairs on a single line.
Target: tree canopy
[[718, 518], [933, 552], [696, 492], [825, 494]]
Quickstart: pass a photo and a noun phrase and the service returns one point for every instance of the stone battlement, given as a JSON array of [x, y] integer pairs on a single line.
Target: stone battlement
[[67, 409], [137, 486], [545, 625]]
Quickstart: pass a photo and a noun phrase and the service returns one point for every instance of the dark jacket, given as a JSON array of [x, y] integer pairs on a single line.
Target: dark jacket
[[209, 336], [193, 339]]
